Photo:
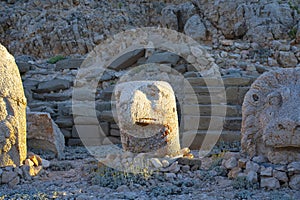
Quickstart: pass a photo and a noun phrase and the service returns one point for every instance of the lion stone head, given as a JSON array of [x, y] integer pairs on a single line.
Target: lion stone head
[[271, 117]]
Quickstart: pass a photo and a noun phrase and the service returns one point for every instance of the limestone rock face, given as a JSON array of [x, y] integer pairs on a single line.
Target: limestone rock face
[[43, 133], [147, 117], [13, 148], [271, 117]]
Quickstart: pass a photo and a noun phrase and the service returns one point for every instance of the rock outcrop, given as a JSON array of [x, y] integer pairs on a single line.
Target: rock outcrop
[[47, 28], [13, 148]]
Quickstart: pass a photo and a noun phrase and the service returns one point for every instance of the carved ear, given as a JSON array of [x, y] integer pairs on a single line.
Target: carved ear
[[254, 98]]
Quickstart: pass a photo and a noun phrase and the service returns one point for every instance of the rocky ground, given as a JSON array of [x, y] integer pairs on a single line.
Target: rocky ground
[[79, 176]]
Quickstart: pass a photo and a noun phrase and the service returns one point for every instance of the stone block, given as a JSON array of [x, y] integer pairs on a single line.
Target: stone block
[[43, 133], [69, 63], [52, 85], [127, 59]]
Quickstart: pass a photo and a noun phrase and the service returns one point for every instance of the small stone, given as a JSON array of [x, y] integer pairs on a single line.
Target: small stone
[[195, 167], [259, 159], [45, 163], [29, 162], [123, 188], [252, 166], [188, 161], [26, 174], [165, 163], [156, 163], [231, 163], [294, 168], [233, 173], [14, 181], [173, 167], [252, 177], [295, 182], [232, 154], [287, 59], [185, 151], [8, 176], [223, 54], [35, 160], [266, 171], [170, 176], [185, 168], [281, 176], [226, 42], [269, 183], [282, 168], [223, 181], [33, 171], [189, 155], [242, 163]]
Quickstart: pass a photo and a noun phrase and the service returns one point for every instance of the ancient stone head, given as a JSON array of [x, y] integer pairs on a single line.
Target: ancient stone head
[[147, 117], [12, 112], [271, 117]]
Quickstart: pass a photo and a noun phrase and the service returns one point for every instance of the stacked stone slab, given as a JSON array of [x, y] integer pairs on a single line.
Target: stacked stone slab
[[56, 80], [13, 148]]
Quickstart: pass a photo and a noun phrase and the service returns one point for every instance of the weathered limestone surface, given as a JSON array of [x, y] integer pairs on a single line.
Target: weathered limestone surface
[[147, 117], [271, 117], [12, 112], [43, 133]]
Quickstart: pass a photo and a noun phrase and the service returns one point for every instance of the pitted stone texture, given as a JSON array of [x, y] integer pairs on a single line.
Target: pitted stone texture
[[147, 117], [43, 133], [271, 117], [12, 112]]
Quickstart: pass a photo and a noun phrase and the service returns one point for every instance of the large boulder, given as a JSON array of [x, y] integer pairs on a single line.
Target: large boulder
[[13, 150], [271, 117], [43, 133], [147, 117]]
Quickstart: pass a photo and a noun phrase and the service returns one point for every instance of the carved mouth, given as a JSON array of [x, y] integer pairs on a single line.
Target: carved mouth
[[146, 121]]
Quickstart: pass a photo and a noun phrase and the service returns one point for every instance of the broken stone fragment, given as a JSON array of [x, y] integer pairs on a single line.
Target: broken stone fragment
[[147, 117], [43, 133]]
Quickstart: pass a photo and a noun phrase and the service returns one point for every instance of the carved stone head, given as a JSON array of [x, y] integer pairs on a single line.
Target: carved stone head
[[271, 117], [147, 117]]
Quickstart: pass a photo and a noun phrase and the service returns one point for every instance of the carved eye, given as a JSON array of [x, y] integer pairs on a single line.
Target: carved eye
[[275, 100], [255, 97]]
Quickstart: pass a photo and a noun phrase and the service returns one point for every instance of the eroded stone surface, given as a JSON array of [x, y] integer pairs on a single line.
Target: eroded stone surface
[[12, 112], [43, 133], [271, 119], [147, 117]]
